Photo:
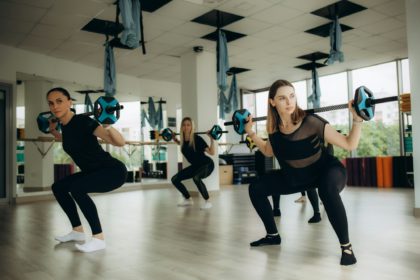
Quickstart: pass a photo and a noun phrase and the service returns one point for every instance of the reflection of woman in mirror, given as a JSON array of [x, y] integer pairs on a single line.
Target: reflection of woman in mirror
[[193, 148]]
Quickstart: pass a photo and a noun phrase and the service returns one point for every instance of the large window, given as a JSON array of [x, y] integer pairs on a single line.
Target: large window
[[301, 94], [380, 136], [334, 91], [405, 76], [261, 101]]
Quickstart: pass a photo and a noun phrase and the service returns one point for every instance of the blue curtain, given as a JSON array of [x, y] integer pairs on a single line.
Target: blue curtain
[[88, 103], [159, 115], [223, 67], [154, 118], [335, 43], [143, 118], [232, 104], [152, 112], [314, 100], [130, 17], [109, 71]]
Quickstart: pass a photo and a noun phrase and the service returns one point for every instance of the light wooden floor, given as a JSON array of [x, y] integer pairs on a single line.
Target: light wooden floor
[[148, 237]]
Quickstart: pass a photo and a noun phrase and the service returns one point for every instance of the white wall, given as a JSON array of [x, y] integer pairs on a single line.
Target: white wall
[[413, 40]]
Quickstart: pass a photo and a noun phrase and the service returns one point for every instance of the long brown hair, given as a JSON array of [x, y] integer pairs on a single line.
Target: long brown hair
[[273, 118], [192, 138]]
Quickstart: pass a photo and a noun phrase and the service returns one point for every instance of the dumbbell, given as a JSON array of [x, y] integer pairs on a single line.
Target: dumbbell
[[106, 110], [364, 105], [167, 133]]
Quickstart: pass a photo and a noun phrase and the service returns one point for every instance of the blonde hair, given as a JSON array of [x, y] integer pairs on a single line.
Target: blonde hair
[[273, 117], [192, 138]]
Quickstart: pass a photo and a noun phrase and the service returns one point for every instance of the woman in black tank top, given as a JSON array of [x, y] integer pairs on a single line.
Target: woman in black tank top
[[295, 139]]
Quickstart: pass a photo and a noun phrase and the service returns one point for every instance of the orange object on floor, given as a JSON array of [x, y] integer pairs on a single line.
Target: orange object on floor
[[387, 165], [379, 172]]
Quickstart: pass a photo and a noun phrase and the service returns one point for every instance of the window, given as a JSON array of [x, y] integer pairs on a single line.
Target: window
[[301, 93], [333, 92], [380, 136], [261, 101], [405, 76]]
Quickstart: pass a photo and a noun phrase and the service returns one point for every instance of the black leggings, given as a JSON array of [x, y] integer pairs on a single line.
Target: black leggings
[[330, 183], [312, 195], [196, 173], [82, 183]]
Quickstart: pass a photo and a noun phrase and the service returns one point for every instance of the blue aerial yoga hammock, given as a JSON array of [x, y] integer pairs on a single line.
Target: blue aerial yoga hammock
[[232, 104], [314, 100], [159, 115], [223, 67], [109, 71], [132, 20], [335, 43], [154, 118]]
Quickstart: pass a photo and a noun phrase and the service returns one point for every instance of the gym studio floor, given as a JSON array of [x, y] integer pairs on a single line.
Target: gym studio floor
[[149, 237]]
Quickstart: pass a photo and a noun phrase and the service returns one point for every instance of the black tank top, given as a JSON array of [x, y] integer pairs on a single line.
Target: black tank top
[[301, 153]]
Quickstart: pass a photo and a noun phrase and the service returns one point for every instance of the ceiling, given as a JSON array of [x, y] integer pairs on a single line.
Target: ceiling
[[274, 29]]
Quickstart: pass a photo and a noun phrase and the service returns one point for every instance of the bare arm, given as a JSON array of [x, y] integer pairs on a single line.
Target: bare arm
[[263, 145], [56, 134], [110, 135], [175, 139], [210, 150], [349, 142], [54, 131]]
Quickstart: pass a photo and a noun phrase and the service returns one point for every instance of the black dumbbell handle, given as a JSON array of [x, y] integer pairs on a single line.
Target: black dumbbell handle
[[344, 106], [112, 109], [108, 110], [332, 107], [253, 119], [202, 132]]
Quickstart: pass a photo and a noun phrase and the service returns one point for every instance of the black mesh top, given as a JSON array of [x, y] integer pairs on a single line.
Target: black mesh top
[[301, 153]]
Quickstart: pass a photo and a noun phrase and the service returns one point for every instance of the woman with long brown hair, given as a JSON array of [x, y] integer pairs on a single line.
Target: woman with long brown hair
[[295, 139]]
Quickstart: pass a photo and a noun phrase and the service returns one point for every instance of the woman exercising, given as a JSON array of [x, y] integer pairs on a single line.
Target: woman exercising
[[295, 140], [100, 172], [193, 148]]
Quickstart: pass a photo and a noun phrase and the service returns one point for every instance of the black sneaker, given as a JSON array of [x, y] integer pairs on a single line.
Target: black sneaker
[[347, 255], [315, 219], [276, 212], [268, 240]]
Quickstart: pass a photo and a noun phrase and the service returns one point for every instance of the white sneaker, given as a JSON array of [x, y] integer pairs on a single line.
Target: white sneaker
[[206, 205], [72, 236], [186, 202], [301, 199]]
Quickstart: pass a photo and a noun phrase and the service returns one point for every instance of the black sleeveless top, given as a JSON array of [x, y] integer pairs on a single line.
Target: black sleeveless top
[[301, 153]]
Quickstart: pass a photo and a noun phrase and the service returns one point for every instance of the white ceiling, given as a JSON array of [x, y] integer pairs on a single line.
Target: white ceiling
[[274, 29]]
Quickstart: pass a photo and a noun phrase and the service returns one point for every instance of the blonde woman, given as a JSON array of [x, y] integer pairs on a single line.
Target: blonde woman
[[193, 147], [295, 139]]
